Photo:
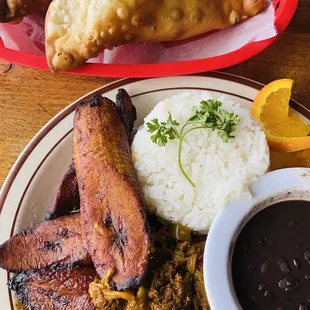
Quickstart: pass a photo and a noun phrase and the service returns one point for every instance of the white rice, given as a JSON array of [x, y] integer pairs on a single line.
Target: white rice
[[221, 171]]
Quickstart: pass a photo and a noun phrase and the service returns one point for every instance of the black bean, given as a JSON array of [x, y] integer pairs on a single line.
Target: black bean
[[284, 267], [295, 262], [298, 245], [307, 255], [288, 284], [307, 277], [252, 298], [280, 308], [267, 293], [292, 223], [264, 268], [281, 284], [261, 287], [302, 307]]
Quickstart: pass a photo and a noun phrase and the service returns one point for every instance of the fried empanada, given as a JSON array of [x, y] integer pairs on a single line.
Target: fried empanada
[[77, 30]]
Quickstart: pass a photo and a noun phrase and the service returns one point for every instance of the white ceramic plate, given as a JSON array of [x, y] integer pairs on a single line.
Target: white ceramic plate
[[32, 182]]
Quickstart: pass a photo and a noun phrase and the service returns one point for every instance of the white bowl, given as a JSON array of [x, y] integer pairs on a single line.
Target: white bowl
[[276, 186]]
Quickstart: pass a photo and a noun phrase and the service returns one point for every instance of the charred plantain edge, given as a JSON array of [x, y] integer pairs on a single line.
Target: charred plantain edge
[[94, 101], [121, 96], [21, 276], [133, 282], [50, 216], [19, 284], [120, 93], [71, 169], [18, 281]]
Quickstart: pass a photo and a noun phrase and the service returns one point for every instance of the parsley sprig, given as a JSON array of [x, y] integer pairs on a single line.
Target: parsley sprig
[[209, 115], [163, 131]]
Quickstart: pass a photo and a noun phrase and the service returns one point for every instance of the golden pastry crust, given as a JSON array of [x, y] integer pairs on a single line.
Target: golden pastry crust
[[77, 30]]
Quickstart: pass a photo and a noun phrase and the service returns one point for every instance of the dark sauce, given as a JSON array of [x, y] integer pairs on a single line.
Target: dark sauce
[[271, 259]]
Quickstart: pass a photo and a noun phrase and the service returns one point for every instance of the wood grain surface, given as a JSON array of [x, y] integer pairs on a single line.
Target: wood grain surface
[[29, 98]]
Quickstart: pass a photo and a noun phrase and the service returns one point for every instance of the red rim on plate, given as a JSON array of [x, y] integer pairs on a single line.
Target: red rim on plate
[[285, 10]]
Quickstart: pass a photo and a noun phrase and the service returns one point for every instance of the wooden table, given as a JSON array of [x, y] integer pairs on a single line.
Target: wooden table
[[29, 97]]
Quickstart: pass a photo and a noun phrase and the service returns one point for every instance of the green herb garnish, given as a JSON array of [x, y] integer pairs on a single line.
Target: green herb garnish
[[210, 115], [163, 131]]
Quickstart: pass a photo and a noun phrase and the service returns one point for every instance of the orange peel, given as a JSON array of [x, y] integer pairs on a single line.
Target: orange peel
[[284, 129]]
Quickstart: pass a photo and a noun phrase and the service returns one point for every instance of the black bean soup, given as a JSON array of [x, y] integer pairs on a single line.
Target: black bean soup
[[271, 259]]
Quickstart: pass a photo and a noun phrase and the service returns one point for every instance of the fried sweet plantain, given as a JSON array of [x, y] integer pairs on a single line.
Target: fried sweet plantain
[[56, 241], [55, 289], [67, 196], [113, 215]]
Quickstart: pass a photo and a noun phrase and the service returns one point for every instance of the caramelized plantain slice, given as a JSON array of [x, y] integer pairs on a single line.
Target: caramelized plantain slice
[[67, 196], [55, 289], [126, 111], [113, 215], [56, 241]]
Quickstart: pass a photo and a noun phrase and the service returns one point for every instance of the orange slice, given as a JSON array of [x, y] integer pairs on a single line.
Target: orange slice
[[285, 130]]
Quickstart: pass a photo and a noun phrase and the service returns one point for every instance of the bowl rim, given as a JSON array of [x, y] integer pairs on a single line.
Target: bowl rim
[[282, 184]]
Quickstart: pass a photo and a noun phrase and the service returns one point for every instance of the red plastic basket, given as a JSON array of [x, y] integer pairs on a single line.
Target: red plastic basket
[[285, 10]]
